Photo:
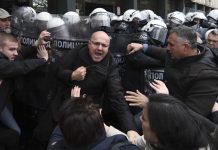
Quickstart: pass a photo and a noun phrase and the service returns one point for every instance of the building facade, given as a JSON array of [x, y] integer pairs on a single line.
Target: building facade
[[84, 7], [160, 7]]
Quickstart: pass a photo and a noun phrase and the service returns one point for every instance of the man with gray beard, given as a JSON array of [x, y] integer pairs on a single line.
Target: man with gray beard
[[5, 21]]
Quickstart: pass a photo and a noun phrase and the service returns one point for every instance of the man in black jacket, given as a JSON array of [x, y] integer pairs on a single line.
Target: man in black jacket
[[93, 69], [190, 70], [10, 68]]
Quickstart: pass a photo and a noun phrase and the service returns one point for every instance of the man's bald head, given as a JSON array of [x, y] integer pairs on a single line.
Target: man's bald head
[[98, 45]]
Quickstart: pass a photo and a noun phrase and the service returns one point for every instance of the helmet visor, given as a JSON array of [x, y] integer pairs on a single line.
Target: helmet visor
[[99, 20], [159, 34]]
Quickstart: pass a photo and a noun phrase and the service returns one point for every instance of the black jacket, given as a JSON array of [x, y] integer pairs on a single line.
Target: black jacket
[[193, 80], [40, 84], [102, 83], [10, 70]]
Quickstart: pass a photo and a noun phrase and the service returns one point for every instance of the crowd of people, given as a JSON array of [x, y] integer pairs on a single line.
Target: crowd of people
[[137, 82]]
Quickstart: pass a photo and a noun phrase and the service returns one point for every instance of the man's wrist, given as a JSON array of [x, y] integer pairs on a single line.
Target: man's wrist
[[144, 47], [35, 43], [44, 59]]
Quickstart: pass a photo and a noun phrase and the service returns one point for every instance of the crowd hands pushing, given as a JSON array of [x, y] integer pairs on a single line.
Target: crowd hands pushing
[[134, 98], [138, 99], [98, 50], [154, 106]]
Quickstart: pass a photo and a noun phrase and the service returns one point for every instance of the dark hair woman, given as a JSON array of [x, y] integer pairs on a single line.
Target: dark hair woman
[[81, 127], [169, 124]]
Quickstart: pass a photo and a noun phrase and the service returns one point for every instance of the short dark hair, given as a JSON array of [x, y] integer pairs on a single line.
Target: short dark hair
[[186, 33], [174, 124], [81, 122]]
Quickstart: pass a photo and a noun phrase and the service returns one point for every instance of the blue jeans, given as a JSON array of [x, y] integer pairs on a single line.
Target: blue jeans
[[8, 120]]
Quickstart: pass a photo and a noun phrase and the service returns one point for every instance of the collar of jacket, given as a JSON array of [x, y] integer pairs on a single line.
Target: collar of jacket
[[2, 56], [205, 56]]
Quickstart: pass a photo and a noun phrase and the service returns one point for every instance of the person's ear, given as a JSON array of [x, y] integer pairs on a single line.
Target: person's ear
[[187, 45]]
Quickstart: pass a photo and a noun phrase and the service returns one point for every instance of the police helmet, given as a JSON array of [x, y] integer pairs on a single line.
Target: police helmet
[[71, 17], [130, 14], [99, 17], [176, 17], [55, 22], [213, 16]]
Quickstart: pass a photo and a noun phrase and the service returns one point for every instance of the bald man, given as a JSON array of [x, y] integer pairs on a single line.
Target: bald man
[[92, 67]]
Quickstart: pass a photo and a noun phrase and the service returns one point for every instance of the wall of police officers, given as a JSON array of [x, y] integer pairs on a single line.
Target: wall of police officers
[[38, 88]]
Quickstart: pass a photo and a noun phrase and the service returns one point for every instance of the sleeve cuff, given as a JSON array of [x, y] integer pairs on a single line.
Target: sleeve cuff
[[145, 48]]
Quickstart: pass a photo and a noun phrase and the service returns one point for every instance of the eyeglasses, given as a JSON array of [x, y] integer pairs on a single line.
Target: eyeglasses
[[98, 44]]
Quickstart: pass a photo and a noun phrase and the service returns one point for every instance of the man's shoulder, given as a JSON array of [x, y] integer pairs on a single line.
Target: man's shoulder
[[76, 51], [79, 47], [209, 59], [116, 142], [111, 63]]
